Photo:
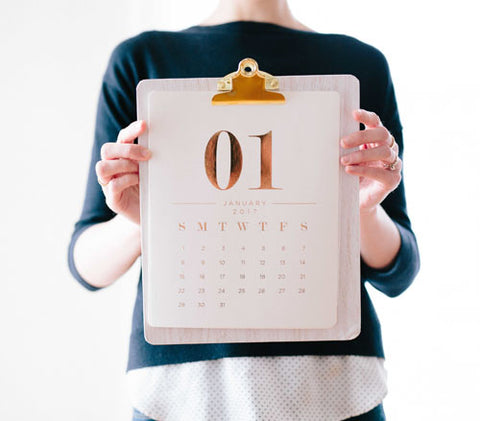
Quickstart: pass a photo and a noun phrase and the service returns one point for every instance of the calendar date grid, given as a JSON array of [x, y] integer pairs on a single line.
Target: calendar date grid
[[208, 282]]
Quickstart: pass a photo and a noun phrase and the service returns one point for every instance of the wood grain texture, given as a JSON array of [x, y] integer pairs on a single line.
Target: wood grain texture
[[348, 317]]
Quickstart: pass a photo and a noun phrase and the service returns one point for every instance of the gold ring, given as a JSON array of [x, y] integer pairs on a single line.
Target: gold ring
[[392, 166], [393, 141]]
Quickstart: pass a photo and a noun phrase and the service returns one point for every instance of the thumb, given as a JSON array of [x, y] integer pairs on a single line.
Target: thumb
[[131, 132]]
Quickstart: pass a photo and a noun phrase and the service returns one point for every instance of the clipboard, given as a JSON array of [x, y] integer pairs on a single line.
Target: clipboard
[[250, 227]]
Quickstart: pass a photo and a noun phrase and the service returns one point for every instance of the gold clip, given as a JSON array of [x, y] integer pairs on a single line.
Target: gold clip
[[248, 85]]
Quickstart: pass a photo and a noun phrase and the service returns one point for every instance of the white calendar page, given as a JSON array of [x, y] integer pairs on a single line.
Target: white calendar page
[[241, 256], [249, 227]]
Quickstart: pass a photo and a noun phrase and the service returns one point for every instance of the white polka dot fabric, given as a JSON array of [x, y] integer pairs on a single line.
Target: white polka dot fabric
[[327, 388]]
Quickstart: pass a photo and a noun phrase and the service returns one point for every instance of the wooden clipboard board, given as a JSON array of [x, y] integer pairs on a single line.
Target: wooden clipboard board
[[250, 227]]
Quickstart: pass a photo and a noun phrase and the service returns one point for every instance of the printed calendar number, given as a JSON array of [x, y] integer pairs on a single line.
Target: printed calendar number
[[247, 270]]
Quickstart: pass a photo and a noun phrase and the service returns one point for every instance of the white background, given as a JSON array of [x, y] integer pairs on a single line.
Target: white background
[[63, 350]]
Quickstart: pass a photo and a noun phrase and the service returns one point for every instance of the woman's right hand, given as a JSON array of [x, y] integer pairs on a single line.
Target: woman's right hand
[[117, 171]]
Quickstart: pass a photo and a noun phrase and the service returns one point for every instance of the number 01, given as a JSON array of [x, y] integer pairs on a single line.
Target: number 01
[[236, 160]]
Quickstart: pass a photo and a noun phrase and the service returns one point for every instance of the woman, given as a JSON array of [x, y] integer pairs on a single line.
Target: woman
[[281, 381]]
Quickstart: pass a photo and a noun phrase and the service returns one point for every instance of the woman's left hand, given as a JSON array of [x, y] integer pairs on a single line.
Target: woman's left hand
[[376, 162]]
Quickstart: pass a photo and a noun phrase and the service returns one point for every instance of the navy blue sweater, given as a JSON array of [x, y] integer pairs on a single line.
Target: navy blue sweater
[[214, 51]]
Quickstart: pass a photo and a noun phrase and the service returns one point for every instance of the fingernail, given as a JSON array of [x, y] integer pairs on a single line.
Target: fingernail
[[137, 125], [345, 160], [146, 153]]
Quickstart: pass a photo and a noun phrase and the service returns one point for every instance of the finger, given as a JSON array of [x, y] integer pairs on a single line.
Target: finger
[[131, 132], [378, 135], [381, 153], [390, 179], [108, 169], [112, 150], [395, 147], [117, 185], [369, 118]]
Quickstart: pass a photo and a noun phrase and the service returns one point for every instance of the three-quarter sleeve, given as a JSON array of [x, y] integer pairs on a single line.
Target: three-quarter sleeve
[[115, 110], [397, 277]]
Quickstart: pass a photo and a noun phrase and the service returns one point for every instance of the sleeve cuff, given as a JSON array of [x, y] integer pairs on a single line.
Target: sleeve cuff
[[396, 277], [71, 261]]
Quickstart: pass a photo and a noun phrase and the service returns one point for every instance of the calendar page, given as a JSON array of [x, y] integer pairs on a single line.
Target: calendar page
[[250, 229], [242, 212]]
